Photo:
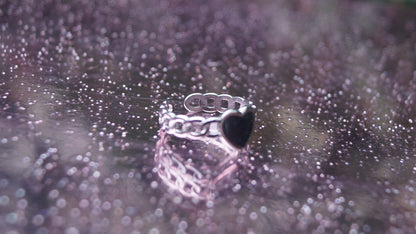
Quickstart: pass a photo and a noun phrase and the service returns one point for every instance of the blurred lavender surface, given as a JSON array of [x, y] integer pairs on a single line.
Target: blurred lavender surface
[[334, 149]]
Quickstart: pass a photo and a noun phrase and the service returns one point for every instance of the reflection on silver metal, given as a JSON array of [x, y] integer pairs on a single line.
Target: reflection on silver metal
[[195, 178], [233, 127], [197, 152]]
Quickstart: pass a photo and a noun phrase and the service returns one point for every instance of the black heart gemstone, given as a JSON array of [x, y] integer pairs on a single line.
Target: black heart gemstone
[[237, 129]]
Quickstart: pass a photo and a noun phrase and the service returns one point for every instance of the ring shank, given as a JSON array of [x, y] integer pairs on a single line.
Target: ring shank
[[193, 126], [212, 102]]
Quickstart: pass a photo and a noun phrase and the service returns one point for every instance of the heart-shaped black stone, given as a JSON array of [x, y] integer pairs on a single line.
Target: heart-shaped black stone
[[237, 128]]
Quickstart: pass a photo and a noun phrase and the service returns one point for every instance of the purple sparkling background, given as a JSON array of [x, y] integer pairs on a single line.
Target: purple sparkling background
[[334, 148]]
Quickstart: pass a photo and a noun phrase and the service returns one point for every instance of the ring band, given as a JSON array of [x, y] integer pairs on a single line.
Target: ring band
[[186, 176], [234, 124]]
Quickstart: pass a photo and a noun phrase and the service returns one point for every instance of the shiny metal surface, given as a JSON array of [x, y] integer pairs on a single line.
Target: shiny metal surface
[[334, 83]]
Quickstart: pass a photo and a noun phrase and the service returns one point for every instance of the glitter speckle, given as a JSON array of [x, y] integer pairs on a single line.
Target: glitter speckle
[[71, 230], [11, 218], [38, 220], [20, 193], [333, 147], [4, 200]]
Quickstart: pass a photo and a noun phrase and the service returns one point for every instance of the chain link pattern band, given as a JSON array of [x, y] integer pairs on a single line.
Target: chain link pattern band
[[212, 102], [217, 124], [193, 127], [184, 177]]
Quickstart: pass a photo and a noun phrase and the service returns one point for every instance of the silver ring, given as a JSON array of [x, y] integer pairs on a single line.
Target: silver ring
[[232, 124]]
